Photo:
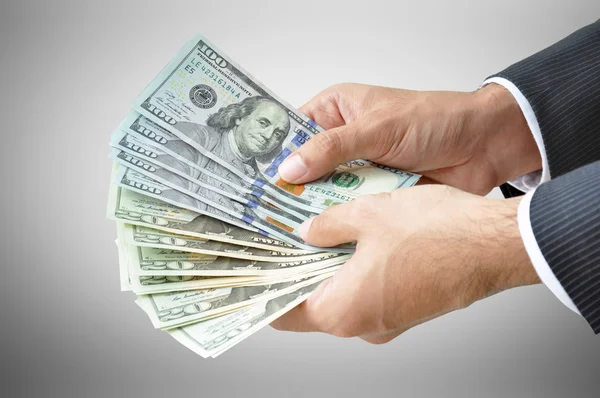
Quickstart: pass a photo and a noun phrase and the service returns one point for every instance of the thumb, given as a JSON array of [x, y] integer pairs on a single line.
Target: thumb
[[324, 152]]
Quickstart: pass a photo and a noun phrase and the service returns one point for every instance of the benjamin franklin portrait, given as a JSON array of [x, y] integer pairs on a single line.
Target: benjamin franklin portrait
[[240, 134]]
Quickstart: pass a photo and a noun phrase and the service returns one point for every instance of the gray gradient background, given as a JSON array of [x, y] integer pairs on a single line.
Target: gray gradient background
[[69, 71]]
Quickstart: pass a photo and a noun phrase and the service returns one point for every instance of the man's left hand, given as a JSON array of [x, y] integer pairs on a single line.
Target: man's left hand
[[421, 252]]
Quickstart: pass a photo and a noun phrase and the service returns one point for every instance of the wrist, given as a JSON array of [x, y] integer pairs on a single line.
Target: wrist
[[502, 260], [508, 142]]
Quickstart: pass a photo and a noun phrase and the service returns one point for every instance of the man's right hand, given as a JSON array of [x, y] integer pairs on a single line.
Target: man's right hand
[[473, 141]]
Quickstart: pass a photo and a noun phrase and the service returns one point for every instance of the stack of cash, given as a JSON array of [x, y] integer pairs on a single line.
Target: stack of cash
[[207, 231]]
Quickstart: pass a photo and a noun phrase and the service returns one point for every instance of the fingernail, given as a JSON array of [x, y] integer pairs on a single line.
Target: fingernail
[[292, 168], [305, 227]]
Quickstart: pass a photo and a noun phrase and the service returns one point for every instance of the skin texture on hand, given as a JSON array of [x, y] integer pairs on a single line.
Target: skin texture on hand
[[470, 140], [421, 252]]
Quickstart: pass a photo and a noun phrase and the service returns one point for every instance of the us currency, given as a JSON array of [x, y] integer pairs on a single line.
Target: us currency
[[131, 145], [211, 104], [192, 165], [259, 214], [132, 207], [171, 310], [229, 211], [138, 182], [124, 270], [132, 180], [215, 336], [153, 261], [142, 236], [142, 284]]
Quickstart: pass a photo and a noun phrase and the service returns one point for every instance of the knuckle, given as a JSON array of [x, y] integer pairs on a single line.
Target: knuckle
[[381, 196], [329, 142], [318, 224], [308, 109], [362, 203], [328, 99], [365, 206], [355, 212]]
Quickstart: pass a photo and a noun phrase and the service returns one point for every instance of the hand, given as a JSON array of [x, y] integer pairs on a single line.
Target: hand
[[422, 252], [472, 141]]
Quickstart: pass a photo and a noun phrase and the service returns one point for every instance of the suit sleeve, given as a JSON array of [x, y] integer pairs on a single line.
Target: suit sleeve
[[565, 220], [558, 90], [562, 85]]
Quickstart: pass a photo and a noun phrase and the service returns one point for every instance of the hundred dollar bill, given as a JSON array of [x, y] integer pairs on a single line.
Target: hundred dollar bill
[[152, 261], [138, 182], [142, 236], [229, 211], [131, 207], [131, 145], [134, 181], [226, 115], [194, 166], [215, 336], [261, 215], [171, 310]]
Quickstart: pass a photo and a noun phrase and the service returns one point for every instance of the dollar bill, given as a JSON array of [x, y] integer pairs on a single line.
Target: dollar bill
[[192, 165], [138, 182], [142, 236], [215, 336], [261, 215], [135, 208], [171, 310], [207, 230], [131, 280], [147, 160], [143, 285], [124, 274], [226, 115], [228, 211], [152, 261]]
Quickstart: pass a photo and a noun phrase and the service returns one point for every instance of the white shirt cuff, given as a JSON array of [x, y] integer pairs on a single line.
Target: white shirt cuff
[[530, 181], [537, 258]]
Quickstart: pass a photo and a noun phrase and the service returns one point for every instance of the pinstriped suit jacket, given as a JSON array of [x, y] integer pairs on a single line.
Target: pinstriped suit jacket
[[562, 84]]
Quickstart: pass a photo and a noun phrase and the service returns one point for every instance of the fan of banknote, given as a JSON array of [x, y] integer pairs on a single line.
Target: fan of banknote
[[206, 229]]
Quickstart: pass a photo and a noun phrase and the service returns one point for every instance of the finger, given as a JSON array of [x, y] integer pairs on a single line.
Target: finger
[[295, 320], [304, 317], [324, 152], [327, 308], [323, 108], [332, 227], [325, 115]]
